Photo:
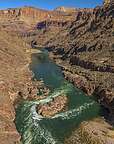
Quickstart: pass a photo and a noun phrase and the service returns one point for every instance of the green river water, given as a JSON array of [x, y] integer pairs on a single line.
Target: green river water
[[36, 129]]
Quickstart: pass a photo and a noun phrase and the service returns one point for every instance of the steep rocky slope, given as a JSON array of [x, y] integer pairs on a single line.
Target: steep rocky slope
[[32, 16], [15, 83], [92, 132], [85, 50], [12, 75]]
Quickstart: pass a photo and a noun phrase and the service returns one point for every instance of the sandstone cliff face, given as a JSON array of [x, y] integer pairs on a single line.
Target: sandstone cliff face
[[32, 15], [26, 14]]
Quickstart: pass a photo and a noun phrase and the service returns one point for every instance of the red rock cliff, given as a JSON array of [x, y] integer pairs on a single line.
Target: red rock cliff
[[32, 15]]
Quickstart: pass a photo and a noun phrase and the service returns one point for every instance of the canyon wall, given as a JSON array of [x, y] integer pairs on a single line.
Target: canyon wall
[[85, 48], [32, 15]]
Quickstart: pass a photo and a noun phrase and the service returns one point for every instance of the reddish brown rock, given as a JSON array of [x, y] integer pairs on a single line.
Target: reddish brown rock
[[94, 132], [32, 15], [80, 82], [58, 104], [14, 75]]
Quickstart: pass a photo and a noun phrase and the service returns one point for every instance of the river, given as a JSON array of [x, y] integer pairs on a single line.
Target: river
[[36, 129]]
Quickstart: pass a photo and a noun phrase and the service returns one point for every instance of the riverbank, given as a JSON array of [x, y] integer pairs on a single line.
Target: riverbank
[[96, 131], [14, 76], [16, 84]]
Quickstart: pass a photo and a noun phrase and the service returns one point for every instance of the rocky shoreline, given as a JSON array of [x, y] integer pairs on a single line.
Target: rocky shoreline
[[57, 105], [96, 131], [16, 84]]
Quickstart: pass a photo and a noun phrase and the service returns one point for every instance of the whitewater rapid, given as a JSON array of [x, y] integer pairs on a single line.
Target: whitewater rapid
[[32, 126], [36, 129]]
